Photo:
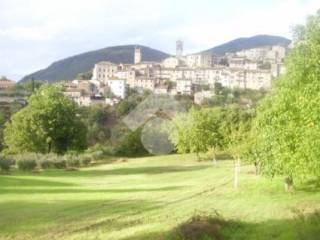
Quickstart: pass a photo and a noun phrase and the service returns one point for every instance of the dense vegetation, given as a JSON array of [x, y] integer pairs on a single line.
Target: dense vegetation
[[49, 123], [288, 121]]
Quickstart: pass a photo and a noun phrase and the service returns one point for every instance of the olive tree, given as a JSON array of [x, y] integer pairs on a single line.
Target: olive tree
[[197, 131], [49, 123], [288, 121]]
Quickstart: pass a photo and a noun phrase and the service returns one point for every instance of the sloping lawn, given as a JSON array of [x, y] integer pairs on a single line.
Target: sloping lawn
[[147, 198]]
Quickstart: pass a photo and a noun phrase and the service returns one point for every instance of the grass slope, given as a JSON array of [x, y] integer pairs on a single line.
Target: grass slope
[[146, 198]]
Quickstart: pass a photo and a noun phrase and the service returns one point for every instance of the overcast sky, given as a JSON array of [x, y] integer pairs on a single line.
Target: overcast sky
[[34, 33]]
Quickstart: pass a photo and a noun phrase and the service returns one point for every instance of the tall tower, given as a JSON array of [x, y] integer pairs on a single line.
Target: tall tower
[[179, 49], [137, 55]]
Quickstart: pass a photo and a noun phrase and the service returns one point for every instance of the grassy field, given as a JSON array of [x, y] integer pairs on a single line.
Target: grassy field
[[147, 198]]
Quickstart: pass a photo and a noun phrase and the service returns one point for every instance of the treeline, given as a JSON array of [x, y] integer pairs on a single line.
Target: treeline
[[282, 136]]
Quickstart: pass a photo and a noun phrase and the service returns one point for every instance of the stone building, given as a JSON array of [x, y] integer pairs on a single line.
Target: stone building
[[5, 83]]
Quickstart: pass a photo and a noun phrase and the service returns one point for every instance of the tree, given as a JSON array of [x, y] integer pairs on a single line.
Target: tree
[[97, 119], [288, 121], [235, 127], [84, 76], [131, 144], [197, 131], [48, 124]]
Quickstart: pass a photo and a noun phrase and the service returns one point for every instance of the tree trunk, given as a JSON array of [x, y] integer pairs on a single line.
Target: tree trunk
[[236, 173], [256, 168], [49, 147], [198, 156], [214, 160], [288, 184]]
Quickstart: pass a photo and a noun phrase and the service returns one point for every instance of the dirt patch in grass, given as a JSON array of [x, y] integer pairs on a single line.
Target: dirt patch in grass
[[202, 227]]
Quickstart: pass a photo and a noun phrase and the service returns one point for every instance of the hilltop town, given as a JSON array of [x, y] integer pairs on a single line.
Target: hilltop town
[[194, 75]]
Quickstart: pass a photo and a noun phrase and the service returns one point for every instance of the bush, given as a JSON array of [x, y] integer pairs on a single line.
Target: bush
[[72, 161], [85, 160], [60, 163], [47, 161], [98, 155], [27, 164], [5, 164]]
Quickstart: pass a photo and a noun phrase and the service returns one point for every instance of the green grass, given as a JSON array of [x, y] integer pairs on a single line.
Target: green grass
[[147, 198]]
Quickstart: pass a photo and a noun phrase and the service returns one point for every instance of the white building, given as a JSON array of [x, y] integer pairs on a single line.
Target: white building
[[184, 87], [171, 62], [243, 63], [90, 101], [117, 87], [73, 94], [103, 71], [258, 79], [202, 60], [199, 97]]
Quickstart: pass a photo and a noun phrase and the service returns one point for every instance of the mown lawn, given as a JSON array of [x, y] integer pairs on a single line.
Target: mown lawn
[[147, 198]]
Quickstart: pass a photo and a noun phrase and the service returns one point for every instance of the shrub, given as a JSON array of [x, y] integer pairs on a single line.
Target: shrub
[[27, 164], [97, 155], [48, 161], [60, 163], [85, 160], [5, 164], [72, 161], [45, 162]]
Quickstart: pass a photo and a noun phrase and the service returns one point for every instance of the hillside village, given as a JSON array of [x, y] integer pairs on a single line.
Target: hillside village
[[194, 74]]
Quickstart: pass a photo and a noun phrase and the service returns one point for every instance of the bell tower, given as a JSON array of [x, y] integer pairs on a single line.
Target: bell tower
[[179, 49], [137, 55]]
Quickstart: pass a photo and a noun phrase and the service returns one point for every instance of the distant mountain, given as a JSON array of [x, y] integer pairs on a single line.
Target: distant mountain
[[69, 68], [247, 43]]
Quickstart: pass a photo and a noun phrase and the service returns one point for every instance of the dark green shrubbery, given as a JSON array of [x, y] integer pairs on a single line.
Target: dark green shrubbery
[[60, 164], [47, 161], [31, 161], [73, 161], [5, 164], [85, 160], [27, 164]]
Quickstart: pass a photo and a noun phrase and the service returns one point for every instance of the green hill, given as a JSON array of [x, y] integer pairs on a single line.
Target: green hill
[[247, 43], [69, 68]]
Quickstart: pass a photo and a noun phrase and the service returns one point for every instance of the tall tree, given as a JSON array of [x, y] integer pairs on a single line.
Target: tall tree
[[197, 131], [48, 124], [288, 122]]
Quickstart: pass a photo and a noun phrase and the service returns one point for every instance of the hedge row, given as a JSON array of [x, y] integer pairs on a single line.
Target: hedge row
[[32, 161]]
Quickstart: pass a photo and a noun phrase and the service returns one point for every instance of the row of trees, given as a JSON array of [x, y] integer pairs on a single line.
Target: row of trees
[[213, 129], [204, 129], [282, 135], [53, 123], [288, 120]]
